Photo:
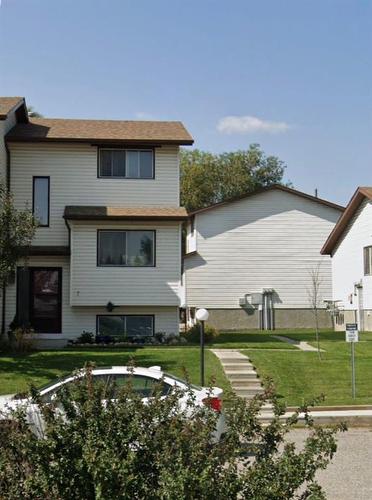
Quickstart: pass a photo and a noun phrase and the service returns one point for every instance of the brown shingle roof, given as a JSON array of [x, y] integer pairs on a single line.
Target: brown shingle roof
[[358, 197], [124, 213], [102, 131], [7, 104]]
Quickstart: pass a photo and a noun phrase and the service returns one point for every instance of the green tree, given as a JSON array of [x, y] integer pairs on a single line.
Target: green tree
[[17, 228], [102, 442], [207, 178]]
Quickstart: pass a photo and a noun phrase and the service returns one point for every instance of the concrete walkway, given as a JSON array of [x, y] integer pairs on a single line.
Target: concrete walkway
[[240, 372], [303, 346]]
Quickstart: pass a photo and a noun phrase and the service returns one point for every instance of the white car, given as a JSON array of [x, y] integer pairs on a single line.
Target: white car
[[143, 381]]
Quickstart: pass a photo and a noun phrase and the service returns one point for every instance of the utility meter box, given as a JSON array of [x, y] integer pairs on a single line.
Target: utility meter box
[[255, 299]]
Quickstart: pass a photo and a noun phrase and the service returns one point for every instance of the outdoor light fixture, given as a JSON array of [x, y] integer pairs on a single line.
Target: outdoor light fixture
[[202, 315], [110, 306]]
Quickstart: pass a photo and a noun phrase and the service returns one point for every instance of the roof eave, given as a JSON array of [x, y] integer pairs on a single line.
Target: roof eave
[[264, 190], [95, 141], [359, 195], [126, 217]]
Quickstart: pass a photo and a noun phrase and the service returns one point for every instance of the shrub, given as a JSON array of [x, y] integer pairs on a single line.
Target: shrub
[[193, 333], [85, 338], [126, 449], [20, 337]]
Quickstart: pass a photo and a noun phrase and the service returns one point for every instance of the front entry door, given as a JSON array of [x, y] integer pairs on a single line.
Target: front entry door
[[46, 299]]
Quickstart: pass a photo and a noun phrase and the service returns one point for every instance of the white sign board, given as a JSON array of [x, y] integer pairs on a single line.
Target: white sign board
[[352, 333]]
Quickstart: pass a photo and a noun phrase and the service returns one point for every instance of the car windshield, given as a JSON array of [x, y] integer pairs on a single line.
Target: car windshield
[[193, 386]]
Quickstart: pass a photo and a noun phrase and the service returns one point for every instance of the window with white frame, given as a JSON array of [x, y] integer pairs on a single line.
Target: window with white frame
[[128, 248], [129, 325], [126, 163], [367, 260]]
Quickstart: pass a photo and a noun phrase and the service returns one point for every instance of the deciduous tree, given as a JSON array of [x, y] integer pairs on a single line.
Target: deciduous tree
[[208, 178]]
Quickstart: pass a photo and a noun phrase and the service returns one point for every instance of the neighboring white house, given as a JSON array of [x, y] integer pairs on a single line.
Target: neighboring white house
[[249, 260], [350, 246], [106, 257]]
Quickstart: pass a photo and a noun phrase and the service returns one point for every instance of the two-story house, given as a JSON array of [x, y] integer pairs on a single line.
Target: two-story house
[[106, 257]]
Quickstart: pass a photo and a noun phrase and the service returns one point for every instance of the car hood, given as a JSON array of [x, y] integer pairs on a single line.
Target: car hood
[[6, 400]]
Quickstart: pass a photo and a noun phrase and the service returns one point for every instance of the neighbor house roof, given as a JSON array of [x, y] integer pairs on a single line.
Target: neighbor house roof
[[124, 213], [271, 188], [7, 104], [359, 196], [100, 131]]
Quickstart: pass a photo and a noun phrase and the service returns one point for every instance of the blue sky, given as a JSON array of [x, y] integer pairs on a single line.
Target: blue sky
[[293, 75]]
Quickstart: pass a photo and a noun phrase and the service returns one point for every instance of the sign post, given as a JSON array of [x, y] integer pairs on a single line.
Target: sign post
[[352, 336]]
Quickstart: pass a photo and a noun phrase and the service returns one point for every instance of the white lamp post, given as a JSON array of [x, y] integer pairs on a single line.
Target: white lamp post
[[202, 315]]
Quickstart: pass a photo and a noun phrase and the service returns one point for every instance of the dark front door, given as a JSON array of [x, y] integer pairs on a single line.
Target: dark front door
[[46, 299]]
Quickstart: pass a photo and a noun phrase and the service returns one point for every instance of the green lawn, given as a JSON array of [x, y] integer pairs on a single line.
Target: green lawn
[[249, 340], [17, 372], [300, 375]]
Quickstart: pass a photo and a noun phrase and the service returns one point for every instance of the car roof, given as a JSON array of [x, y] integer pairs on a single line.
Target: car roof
[[154, 372]]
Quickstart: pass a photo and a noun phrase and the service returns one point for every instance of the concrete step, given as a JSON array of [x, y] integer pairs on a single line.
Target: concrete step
[[233, 359], [245, 392], [241, 385], [239, 367], [248, 375], [248, 387]]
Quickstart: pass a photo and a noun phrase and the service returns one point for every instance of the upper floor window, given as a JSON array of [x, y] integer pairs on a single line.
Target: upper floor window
[[132, 248], [367, 260], [126, 163], [40, 200]]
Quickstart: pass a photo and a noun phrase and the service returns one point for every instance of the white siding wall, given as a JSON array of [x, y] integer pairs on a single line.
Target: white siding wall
[[347, 260], [73, 172], [77, 319], [270, 240], [92, 285]]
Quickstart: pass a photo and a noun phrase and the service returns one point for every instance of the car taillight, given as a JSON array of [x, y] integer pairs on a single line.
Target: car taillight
[[214, 403]]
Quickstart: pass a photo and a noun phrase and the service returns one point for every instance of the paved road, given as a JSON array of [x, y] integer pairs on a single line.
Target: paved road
[[349, 476]]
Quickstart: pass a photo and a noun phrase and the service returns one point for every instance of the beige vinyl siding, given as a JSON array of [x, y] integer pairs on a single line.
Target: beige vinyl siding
[[270, 240], [93, 285], [77, 319], [73, 181]]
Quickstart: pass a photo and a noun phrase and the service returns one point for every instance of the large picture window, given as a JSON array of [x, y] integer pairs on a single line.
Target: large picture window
[[128, 325], [126, 163], [40, 200], [130, 248], [367, 260]]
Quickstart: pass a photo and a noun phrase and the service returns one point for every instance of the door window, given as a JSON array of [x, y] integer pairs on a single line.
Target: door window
[[45, 303]]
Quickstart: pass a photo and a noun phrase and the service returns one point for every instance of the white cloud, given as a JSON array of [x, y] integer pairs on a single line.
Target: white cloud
[[248, 124]]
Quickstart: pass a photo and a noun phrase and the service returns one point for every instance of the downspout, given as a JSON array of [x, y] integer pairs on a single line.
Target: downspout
[[3, 298]]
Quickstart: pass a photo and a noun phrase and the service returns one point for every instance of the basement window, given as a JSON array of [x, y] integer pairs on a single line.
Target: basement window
[[129, 325]]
